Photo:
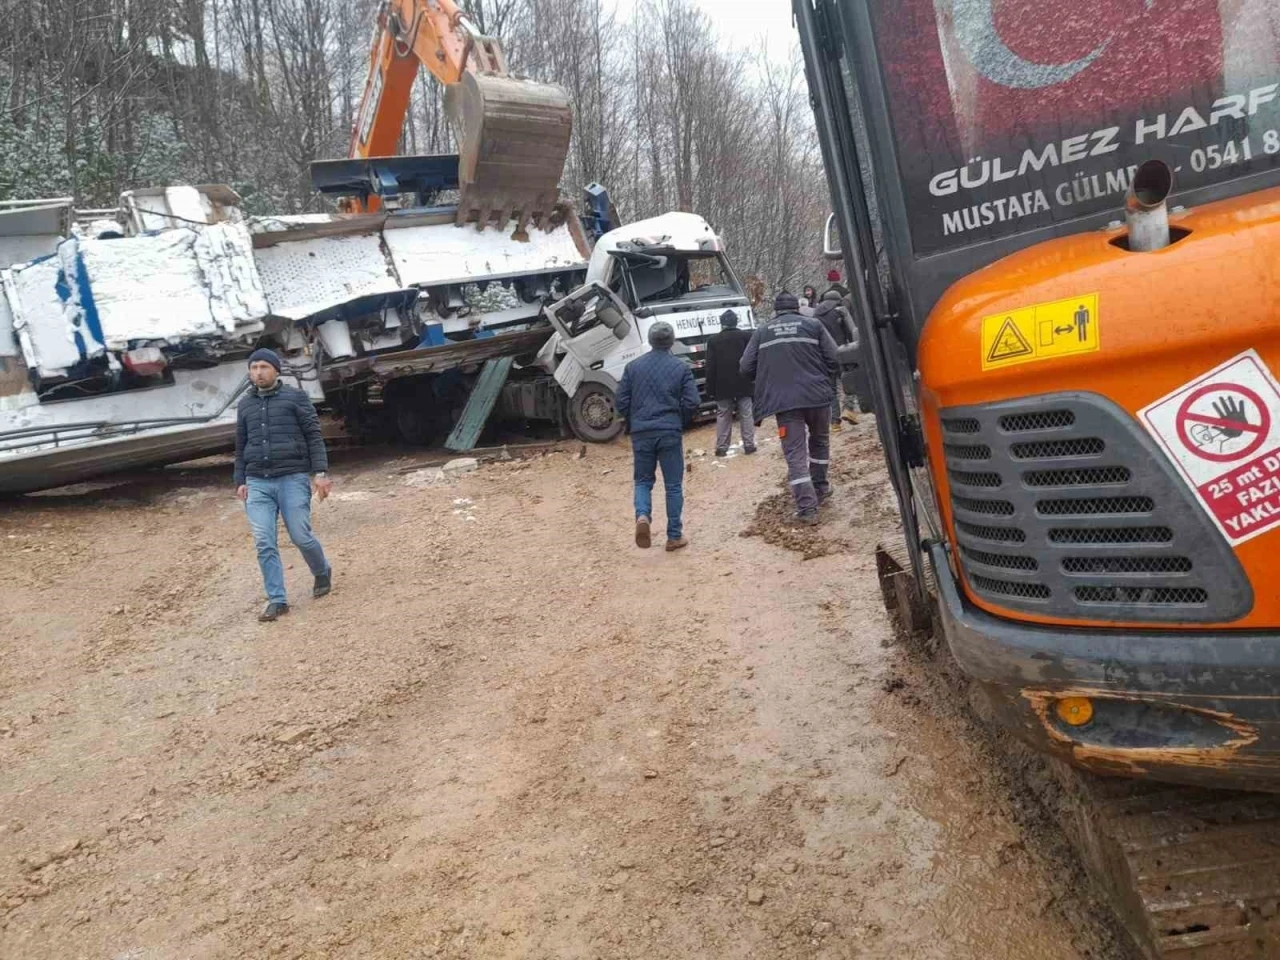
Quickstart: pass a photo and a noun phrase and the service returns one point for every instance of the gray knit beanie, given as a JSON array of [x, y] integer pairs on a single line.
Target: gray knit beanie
[[662, 336]]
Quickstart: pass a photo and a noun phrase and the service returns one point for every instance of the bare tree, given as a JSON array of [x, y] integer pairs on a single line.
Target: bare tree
[[97, 96]]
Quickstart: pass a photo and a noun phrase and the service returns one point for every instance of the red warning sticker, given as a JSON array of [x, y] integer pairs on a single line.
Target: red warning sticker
[[1222, 431]]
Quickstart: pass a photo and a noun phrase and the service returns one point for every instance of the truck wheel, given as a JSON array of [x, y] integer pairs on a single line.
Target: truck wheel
[[592, 417], [415, 426]]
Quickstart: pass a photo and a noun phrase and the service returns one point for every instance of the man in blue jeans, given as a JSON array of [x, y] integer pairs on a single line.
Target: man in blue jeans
[[280, 462], [658, 397]]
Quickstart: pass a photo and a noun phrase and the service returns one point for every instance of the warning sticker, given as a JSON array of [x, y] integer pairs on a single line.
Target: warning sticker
[[1040, 332], [1222, 431]]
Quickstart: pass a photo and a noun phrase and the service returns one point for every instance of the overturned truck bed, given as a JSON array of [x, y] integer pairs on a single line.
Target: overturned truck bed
[[123, 341], [50, 455]]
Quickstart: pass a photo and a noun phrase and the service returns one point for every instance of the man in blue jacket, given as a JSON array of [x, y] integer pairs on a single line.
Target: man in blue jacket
[[658, 397], [280, 462], [794, 363]]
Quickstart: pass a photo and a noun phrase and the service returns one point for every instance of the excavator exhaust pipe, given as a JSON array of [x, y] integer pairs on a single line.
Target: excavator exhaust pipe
[[513, 138], [1145, 209]]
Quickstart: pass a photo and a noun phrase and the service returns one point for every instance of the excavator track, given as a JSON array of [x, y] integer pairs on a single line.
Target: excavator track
[[1192, 874]]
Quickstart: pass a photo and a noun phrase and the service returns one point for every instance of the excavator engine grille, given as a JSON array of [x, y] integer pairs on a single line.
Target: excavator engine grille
[[1063, 506]]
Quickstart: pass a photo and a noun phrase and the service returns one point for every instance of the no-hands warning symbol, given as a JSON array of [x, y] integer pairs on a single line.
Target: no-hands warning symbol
[[1223, 422], [1222, 431]]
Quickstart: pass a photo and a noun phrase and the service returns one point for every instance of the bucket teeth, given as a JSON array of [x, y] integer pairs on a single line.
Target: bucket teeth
[[513, 138]]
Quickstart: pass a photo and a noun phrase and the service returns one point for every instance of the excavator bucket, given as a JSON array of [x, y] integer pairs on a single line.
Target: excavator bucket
[[513, 137]]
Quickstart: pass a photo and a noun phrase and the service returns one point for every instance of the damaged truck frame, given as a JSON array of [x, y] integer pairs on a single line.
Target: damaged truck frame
[[127, 351]]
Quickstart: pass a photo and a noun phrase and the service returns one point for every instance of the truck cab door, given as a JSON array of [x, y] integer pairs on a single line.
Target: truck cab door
[[592, 323]]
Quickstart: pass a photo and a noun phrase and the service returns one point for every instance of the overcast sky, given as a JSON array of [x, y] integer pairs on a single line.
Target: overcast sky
[[743, 22]]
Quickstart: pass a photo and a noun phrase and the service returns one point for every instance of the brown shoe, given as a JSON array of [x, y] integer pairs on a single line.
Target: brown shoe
[[642, 533], [673, 545]]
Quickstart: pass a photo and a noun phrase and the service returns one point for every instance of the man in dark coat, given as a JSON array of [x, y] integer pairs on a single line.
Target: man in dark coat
[[831, 315], [728, 387], [793, 361], [280, 462], [658, 397]]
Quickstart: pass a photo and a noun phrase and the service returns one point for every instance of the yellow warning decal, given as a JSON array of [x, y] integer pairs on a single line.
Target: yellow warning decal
[[1040, 332]]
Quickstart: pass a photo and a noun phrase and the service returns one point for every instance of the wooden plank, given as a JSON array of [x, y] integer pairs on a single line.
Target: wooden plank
[[480, 404], [404, 220], [342, 226]]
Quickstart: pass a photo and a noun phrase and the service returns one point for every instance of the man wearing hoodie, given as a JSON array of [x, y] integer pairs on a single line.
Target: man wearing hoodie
[[793, 361], [280, 463], [728, 387], [830, 313], [658, 397]]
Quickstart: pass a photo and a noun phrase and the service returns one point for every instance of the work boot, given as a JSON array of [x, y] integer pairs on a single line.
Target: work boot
[[808, 519], [720, 452], [825, 493], [642, 533], [749, 450], [850, 416], [679, 542], [323, 584], [273, 611], [837, 427]]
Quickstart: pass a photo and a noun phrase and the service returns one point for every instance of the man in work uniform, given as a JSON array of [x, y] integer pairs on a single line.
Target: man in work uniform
[[728, 387], [658, 397], [280, 462], [793, 361]]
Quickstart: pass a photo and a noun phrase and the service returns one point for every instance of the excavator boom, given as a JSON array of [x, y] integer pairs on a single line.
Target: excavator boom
[[513, 134]]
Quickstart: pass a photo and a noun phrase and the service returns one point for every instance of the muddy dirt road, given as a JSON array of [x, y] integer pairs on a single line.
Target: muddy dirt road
[[507, 733]]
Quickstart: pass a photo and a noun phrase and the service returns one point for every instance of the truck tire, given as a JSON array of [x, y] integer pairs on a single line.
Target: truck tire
[[416, 426], [592, 417]]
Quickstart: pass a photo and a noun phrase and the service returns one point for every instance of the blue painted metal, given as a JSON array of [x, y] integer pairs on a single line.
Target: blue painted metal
[[597, 217], [423, 176], [432, 335], [479, 406]]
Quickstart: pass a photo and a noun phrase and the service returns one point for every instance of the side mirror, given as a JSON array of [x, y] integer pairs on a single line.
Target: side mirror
[[623, 329], [830, 250]]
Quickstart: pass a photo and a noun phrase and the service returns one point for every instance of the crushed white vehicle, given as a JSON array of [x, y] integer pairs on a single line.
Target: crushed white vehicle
[[123, 333]]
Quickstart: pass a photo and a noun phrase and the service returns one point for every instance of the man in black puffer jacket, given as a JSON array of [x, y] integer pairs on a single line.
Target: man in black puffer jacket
[[793, 361], [280, 462]]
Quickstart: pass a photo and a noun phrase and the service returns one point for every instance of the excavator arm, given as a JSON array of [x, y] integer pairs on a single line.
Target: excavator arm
[[513, 134]]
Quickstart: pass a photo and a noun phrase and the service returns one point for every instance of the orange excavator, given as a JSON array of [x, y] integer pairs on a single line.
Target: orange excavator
[[512, 133], [1061, 232]]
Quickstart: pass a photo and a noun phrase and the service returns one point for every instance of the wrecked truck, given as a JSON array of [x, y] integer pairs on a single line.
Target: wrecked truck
[[123, 340]]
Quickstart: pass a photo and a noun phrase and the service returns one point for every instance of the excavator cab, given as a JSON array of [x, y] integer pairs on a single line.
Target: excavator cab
[[1061, 233], [1083, 437]]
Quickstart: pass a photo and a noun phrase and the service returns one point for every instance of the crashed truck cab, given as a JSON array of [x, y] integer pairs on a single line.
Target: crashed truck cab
[[672, 269], [1080, 409]]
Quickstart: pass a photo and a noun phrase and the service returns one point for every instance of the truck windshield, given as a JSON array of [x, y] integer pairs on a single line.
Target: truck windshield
[[1007, 117], [683, 278]]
